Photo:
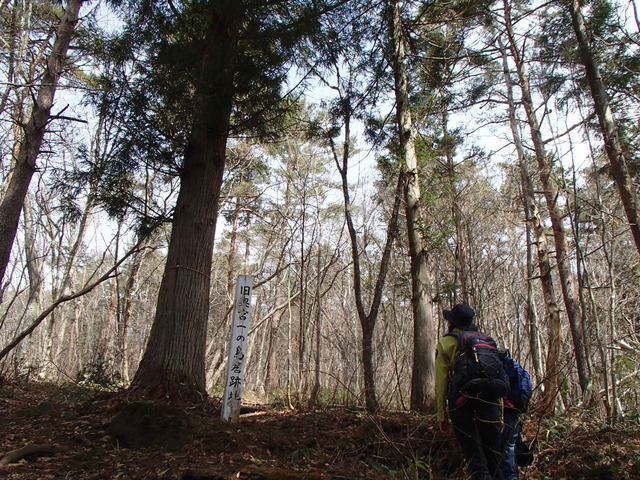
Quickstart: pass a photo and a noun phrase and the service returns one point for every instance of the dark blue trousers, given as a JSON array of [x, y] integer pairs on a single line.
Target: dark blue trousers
[[508, 444]]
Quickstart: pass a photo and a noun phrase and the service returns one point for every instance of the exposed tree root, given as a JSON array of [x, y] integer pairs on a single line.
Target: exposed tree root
[[31, 451]]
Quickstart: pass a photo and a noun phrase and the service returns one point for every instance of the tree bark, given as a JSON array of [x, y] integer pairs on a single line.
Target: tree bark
[[612, 142], [552, 378], [551, 194], [424, 337], [317, 360], [34, 131], [122, 344], [33, 256], [533, 321], [173, 365]]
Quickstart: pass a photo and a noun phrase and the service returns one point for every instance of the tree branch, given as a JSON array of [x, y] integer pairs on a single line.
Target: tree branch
[[18, 454], [62, 299]]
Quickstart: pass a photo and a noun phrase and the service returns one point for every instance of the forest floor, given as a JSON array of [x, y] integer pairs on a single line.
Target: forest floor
[[65, 429]]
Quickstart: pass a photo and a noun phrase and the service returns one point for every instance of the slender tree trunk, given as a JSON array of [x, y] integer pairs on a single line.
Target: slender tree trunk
[[615, 410], [612, 142], [289, 339], [122, 357], [608, 355], [552, 377], [531, 311], [424, 334], [34, 131], [461, 246], [17, 46], [315, 390], [551, 194], [367, 319], [53, 351], [174, 361], [231, 259], [302, 308], [32, 255], [273, 366]]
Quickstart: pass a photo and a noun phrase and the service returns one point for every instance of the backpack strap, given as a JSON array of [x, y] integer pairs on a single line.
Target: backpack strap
[[459, 336], [462, 337]]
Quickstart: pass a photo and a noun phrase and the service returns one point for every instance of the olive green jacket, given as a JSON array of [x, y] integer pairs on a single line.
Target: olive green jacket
[[446, 356]]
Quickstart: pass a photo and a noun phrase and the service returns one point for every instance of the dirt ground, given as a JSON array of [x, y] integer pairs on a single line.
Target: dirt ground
[[66, 430]]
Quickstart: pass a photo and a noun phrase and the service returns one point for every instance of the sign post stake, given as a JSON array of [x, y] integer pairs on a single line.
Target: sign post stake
[[237, 350]]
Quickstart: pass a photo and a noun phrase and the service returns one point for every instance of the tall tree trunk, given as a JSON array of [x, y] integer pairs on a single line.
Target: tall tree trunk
[[18, 42], [608, 355], [462, 246], [34, 131], [424, 333], [289, 339], [32, 255], [173, 364], [532, 313], [52, 350], [301, 381], [272, 365], [610, 132], [122, 345], [317, 361], [552, 377], [551, 194], [231, 258]]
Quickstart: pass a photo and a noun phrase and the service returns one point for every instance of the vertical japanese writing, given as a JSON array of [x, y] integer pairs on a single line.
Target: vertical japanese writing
[[237, 350]]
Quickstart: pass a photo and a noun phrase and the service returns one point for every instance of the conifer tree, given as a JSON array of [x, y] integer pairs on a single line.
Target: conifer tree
[[215, 69], [613, 141]]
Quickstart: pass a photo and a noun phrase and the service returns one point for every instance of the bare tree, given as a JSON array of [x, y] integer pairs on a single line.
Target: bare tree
[[552, 377], [34, 132], [369, 318], [109, 273], [567, 280]]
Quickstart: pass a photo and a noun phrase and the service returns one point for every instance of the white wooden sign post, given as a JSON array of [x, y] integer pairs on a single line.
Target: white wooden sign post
[[237, 350]]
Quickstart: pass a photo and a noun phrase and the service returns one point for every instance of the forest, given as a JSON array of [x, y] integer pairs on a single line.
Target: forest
[[369, 163]]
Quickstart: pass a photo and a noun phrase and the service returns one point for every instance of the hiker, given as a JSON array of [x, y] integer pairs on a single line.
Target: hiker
[[476, 420], [510, 434]]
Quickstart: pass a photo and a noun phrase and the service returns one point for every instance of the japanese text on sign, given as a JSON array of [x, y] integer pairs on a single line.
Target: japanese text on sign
[[237, 350]]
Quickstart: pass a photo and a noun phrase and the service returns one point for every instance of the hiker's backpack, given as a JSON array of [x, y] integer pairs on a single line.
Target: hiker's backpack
[[479, 368], [520, 388]]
